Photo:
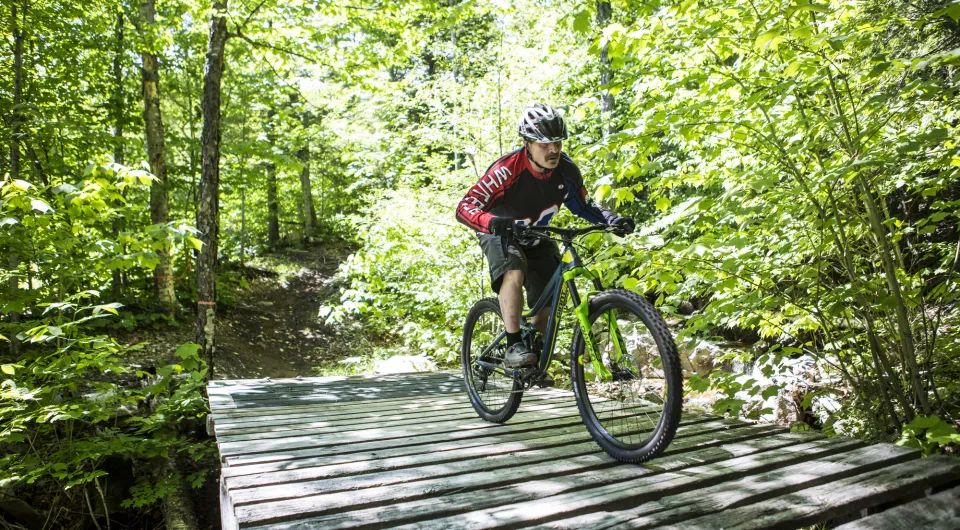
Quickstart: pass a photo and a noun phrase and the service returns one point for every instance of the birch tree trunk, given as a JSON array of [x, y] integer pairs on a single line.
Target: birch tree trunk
[[153, 124], [13, 259], [209, 213], [273, 206], [117, 283], [303, 154]]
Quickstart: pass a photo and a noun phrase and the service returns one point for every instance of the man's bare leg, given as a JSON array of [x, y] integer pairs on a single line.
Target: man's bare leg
[[540, 321], [511, 300]]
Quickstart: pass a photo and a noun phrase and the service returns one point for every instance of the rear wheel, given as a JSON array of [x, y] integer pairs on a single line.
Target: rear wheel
[[630, 397], [494, 395]]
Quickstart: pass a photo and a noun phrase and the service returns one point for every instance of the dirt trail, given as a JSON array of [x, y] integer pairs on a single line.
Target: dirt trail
[[273, 329]]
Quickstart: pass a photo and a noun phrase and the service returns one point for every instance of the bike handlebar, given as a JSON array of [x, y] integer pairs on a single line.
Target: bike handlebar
[[565, 233]]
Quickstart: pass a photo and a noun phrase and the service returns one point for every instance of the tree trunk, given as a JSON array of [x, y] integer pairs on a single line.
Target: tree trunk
[[159, 207], [116, 228], [118, 90], [604, 13], [273, 207], [19, 35], [192, 150], [303, 154], [890, 272], [209, 213]]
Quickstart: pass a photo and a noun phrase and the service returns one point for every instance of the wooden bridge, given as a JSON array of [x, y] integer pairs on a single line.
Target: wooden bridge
[[408, 451]]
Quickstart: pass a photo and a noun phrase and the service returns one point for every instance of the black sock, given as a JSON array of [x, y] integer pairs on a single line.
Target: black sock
[[513, 338]]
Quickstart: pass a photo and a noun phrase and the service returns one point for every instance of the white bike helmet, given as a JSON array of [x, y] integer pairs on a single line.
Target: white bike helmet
[[542, 124]]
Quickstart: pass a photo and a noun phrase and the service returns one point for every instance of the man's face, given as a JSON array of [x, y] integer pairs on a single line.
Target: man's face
[[547, 155]]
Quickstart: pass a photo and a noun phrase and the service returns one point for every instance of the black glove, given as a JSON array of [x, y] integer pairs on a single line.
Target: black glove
[[501, 226], [623, 225]]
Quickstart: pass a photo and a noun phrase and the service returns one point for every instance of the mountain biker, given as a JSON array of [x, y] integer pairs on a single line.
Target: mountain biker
[[527, 187]]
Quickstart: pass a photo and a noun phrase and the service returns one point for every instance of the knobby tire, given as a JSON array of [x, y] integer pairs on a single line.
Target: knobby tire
[[628, 425], [493, 395]]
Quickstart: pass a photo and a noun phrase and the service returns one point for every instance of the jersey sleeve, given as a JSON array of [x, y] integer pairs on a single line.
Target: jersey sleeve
[[579, 203], [474, 209]]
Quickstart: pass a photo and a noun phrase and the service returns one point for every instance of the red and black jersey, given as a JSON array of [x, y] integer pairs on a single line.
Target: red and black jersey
[[511, 187]]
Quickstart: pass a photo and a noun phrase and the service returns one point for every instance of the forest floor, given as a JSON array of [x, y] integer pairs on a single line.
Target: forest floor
[[268, 325]]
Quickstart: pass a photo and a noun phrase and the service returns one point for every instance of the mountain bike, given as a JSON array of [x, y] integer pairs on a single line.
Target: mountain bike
[[624, 366]]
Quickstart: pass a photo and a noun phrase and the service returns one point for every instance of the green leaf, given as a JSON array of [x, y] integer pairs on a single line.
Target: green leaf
[[581, 22], [730, 405], [195, 243], [770, 392], [8, 369], [766, 38], [792, 69], [188, 350], [630, 283], [603, 191], [909, 441], [923, 422], [663, 204]]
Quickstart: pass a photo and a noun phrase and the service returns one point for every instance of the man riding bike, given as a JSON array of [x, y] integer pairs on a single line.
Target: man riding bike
[[527, 187]]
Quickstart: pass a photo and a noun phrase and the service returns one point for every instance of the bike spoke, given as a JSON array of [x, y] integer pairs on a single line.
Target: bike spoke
[[633, 395]]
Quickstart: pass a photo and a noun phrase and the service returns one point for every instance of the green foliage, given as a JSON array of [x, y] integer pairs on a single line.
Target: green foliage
[[805, 173], [929, 434], [409, 278], [64, 412]]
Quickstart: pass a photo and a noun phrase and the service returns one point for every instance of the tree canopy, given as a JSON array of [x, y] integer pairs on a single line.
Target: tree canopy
[[792, 166]]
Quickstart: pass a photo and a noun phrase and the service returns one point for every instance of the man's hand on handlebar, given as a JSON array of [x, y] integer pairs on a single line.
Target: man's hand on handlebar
[[501, 226], [623, 226]]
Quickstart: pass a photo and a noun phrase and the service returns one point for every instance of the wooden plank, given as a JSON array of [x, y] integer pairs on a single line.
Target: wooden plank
[[279, 486], [838, 499], [363, 408], [262, 398], [748, 490], [375, 386], [273, 400], [221, 384], [640, 489], [434, 441], [343, 386], [270, 423], [323, 457], [936, 512], [244, 476], [420, 434], [357, 452], [444, 503], [463, 428], [316, 428], [268, 388]]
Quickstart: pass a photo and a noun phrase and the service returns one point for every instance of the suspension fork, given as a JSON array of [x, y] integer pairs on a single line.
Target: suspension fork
[[582, 311]]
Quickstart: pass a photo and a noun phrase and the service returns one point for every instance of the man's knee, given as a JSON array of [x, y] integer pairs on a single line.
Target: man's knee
[[513, 278]]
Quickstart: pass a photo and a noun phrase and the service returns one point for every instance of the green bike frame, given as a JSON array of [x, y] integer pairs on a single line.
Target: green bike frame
[[561, 285]]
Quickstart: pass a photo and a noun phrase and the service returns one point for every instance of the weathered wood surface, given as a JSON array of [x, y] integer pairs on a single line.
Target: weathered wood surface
[[936, 512], [409, 451]]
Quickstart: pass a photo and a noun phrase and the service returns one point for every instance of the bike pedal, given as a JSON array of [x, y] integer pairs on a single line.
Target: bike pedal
[[546, 381]]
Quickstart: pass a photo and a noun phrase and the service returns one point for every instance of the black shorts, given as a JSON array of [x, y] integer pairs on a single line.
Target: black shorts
[[538, 263]]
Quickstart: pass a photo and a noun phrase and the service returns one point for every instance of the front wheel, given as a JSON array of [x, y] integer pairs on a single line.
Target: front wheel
[[630, 392], [494, 394]]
